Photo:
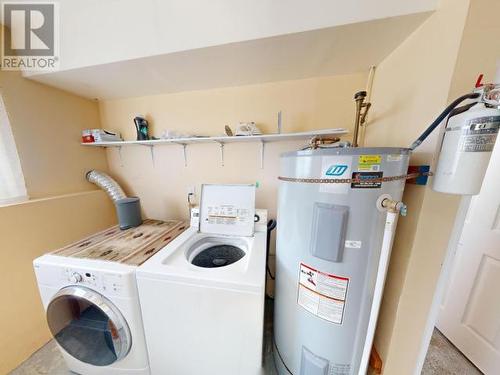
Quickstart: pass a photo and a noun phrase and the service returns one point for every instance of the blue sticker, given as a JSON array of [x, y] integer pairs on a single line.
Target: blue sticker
[[336, 170]]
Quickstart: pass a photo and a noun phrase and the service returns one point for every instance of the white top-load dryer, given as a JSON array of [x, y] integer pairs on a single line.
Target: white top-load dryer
[[202, 296]]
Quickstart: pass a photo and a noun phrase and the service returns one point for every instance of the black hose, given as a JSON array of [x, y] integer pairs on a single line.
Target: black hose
[[271, 224], [441, 117], [461, 109]]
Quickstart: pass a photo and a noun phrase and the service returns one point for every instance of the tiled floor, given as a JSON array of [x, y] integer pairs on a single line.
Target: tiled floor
[[442, 359], [48, 360]]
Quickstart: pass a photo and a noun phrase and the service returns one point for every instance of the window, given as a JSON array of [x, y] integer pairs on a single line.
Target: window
[[12, 187]]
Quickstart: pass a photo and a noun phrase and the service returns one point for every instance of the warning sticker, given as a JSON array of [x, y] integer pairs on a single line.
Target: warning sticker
[[480, 135], [365, 178], [322, 294], [228, 214], [369, 163]]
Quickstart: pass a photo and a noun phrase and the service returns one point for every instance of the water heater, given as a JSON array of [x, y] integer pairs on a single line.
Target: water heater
[[333, 245]]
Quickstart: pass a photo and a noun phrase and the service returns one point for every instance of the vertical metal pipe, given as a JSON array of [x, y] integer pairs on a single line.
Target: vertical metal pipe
[[359, 97]]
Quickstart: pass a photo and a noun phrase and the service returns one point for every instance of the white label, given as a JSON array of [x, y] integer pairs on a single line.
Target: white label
[[394, 157], [340, 369], [353, 244], [334, 167], [322, 294], [228, 214], [369, 168]]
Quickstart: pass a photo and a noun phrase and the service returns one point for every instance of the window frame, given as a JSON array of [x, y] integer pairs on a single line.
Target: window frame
[[9, 151]]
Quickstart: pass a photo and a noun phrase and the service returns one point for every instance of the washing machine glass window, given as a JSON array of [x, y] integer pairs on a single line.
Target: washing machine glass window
[[88, 326]]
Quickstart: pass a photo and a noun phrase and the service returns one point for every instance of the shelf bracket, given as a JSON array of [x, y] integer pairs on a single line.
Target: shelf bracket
[[221, 145], [184, 151], [184, 154], [120, 155], [262, 152], [152, 152]]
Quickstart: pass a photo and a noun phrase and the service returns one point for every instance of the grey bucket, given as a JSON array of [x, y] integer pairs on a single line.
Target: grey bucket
[[129, 212]]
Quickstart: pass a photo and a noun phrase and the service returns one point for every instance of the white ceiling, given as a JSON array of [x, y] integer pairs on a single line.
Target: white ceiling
[[95, 32], [328, 51]]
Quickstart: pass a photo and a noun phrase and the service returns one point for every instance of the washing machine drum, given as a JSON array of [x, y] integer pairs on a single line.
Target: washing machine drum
[[218, 256], [88, 326]]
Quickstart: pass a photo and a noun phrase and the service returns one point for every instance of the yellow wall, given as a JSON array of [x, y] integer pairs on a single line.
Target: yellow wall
[[306, 104], [479, 50], [411, 87], [29, 230], [47, 125]]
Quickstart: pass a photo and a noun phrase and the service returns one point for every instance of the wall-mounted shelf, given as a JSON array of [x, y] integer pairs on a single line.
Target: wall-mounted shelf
[[222, 140], [226, 139]]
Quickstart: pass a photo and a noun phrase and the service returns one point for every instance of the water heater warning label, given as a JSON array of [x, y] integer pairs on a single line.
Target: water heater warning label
[[322, 294], [369, 163]]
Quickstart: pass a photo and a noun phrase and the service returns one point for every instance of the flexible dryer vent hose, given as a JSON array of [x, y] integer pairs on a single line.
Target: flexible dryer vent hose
[[107, 184]]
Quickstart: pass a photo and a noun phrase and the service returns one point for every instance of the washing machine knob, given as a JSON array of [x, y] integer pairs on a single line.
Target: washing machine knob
[[76, 278]]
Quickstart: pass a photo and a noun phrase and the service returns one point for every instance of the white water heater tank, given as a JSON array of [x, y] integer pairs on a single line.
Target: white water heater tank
[[329, 242], [466, 149]]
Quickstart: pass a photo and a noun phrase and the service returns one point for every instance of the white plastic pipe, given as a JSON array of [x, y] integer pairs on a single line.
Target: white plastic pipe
[[391, 221]]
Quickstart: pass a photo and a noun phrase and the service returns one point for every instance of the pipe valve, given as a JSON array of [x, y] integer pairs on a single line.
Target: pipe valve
[[395, 206], [386, 203]]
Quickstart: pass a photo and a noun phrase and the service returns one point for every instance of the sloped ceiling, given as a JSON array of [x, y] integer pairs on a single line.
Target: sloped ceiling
[[150, 56]]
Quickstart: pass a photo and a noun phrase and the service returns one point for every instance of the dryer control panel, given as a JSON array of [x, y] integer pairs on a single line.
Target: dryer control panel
[[119, 282], [106, 282]]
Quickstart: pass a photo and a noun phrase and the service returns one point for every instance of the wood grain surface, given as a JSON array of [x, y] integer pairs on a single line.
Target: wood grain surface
[[131, 246]]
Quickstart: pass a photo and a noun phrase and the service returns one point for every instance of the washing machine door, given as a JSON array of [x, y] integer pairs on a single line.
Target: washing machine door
[[88, 326]]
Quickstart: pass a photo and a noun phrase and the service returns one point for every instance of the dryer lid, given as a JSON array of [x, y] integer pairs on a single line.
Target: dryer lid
[[227, 209]]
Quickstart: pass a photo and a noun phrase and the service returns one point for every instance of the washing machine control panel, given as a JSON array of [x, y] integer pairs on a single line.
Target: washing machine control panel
[[106, 282]]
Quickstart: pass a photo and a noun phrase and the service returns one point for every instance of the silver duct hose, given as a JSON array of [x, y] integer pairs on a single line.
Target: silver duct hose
[[107, 184], [128, 210]]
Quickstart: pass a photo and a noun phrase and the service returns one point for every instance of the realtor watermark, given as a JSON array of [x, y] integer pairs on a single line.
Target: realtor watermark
[[30, 36]]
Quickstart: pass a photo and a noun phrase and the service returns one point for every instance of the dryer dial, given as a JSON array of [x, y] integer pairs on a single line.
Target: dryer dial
[[75, 278]]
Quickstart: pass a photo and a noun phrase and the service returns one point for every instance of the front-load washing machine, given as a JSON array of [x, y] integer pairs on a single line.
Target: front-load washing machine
[[202, 296], [90, 296]]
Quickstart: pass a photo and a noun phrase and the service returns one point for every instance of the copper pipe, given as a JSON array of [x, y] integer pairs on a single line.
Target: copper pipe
[[359, 97]]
